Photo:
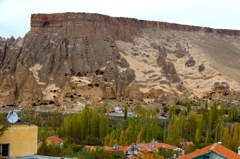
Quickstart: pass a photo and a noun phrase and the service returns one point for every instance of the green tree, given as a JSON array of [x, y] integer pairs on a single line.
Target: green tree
[[166, 153], [43, 149], [138, 107], [233, 114], [226, 137], [139, 129], [3, 125], [170, 114], [206, 105], [165, 109], [188, 104], [192, 125], [55, 121], [88, 127], [197, 136], [235, 136], [125, 112]]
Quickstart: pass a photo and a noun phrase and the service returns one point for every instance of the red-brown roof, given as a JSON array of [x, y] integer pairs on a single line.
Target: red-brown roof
[[142, 147], [146, 148], [161, 145], [89, 147], [54, 139], [217, 148], [106, 148], [120, 148]]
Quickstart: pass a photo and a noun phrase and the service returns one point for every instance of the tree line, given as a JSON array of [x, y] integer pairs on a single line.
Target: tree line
[[138, 129], [211, 125], [88, 127]]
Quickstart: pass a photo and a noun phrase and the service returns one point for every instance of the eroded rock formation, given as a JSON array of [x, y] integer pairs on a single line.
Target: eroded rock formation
[[76, 58]]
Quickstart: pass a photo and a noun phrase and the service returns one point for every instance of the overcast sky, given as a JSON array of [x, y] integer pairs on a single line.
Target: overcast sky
[[15, 14]]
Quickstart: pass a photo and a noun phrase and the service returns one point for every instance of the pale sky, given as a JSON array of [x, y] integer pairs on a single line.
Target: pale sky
[[15, 14]]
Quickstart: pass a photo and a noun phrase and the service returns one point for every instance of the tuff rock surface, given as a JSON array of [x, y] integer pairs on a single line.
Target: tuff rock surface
[[80, 58]]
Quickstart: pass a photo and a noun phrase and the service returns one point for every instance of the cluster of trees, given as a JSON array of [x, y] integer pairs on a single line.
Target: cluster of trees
[[143, 127], [72, 124], [88, 127], [73, 150], [94, 127], [211, 125], [167, 153], [138, 129], [231, 136], [42, 119]]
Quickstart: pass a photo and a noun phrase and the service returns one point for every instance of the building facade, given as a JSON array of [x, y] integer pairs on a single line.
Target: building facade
[[19, 140]]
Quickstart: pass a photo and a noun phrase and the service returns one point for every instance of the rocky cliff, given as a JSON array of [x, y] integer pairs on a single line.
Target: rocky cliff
[[80, 58]]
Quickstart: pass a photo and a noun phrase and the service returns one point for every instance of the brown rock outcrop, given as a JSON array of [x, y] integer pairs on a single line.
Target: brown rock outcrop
[[74, 58]]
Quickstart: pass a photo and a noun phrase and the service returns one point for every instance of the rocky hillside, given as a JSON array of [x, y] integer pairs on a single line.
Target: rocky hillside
[[79, 59]]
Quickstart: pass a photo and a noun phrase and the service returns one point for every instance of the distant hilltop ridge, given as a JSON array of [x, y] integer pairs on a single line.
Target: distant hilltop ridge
[[69, 18]]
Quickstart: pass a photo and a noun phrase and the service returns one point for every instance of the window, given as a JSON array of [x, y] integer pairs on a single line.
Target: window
[[205, 157], [4, 149]]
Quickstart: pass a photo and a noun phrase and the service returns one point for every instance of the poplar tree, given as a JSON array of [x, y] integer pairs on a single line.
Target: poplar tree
[[235, 136], [170, 113], [54, 121], [226, 137], [233, 114], [125, 112], [188, 104], [219, 129], [197, 136], [192, 125], [206, 105]]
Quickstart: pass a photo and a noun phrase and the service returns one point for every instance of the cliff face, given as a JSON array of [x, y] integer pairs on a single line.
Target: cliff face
[[58, 20], [79, 58]]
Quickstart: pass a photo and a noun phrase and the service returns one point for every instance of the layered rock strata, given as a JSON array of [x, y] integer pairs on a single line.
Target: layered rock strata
[[80, 58]]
